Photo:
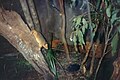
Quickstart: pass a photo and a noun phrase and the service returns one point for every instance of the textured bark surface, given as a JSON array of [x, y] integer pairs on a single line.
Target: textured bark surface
[[116, 72], [63, 29], [18, 34]]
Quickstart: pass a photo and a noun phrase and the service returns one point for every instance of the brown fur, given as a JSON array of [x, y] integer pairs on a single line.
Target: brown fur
[[40, 39]]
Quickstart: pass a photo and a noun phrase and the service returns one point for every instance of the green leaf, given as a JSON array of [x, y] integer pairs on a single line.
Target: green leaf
[[118, 29], [75, 40], [92, 35], [93, 25], [98, 4], [83, 30], [108, 11], [118, 1], [80, 37], [114, 16], [51, 61], [72, 35], [85, 25], [77, 21], [114, 43], [106, 2]]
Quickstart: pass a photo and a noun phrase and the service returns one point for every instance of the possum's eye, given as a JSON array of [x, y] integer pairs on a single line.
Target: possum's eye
[[32, 32]]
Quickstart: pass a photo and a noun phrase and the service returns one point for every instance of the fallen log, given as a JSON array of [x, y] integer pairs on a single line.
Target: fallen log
[[13, 28]]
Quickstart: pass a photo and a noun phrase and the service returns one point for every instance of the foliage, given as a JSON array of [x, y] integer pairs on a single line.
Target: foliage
[[114, 43], [104, 20], [79, 26], [113, 20], [51, 61], [101, 19]]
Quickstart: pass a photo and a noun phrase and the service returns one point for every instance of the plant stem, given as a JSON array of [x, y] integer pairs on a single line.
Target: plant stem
[[104, 51], [100, 61], [93, 57]]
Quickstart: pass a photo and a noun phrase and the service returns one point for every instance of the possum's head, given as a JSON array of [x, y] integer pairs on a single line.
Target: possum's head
[[45, 46]]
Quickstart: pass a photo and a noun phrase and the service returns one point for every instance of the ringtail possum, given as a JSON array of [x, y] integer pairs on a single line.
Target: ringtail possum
[[40, 39]]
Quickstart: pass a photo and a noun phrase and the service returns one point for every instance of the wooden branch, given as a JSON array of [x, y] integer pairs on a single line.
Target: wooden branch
[[91, 41], [92, 61], [63, 29], [34, 15], [18, 34], [27, 13], [107, 38]]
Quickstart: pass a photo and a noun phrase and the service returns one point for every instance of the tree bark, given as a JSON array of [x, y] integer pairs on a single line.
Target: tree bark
[[116, 72], [18, 34], [63, 29]]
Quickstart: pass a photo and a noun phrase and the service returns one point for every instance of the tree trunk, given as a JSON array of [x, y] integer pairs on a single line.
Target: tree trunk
[[63, 29], [18, 34]]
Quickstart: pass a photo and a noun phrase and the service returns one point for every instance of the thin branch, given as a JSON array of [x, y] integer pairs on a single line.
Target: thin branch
[[108, 51], [93, 57], [100, 61], [104, 51], [89, 48], [113, 36]]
